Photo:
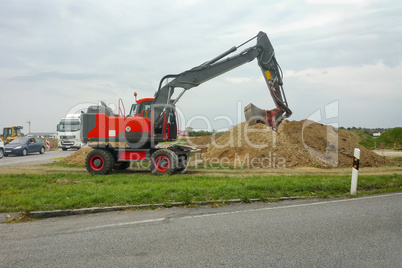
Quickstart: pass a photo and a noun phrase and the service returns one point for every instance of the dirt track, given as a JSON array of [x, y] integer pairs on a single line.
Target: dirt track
[[45, 169], [298, 147], [389, 153]]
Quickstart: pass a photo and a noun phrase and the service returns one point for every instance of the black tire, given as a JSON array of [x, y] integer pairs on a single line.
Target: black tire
[[163, 162], [42, 150], [182, 165], [121, 165], [1, 153], [99, 162], [24, 152], [64, 149]]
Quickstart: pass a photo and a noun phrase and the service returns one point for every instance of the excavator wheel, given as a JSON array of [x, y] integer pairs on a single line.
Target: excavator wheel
[[164, 162], [99, 162]]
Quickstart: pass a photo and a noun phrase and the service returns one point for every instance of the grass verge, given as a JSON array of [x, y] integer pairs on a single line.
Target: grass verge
[[62, 164], [32, 192]]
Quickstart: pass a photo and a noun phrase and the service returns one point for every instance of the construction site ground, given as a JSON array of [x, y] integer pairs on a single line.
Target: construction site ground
[[210, 171], [297, 147]]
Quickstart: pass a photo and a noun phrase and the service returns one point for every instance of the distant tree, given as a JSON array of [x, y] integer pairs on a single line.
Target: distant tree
[[190, 131]]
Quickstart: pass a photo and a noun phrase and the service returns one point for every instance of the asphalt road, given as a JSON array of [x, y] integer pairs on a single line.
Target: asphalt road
[[357, 232], [34, 158], [387, 152]]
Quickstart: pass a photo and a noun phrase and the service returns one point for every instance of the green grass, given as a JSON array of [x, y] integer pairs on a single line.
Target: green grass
[[398, 159], [367, 140], [62, 164], [391, 139], [30, 192]]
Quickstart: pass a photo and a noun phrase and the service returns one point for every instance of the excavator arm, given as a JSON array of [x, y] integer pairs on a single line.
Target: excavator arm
[[265, 55]]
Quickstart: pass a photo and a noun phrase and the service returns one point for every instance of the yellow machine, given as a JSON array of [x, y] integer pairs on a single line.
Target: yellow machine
[[11, 133]]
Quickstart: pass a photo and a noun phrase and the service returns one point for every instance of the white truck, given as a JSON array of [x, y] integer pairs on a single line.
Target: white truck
[[69, 132]]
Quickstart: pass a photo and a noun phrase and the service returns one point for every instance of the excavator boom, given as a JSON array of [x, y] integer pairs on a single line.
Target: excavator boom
[[272, 74]]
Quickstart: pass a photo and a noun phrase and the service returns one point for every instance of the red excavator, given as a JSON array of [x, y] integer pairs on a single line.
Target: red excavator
[[119, 139]]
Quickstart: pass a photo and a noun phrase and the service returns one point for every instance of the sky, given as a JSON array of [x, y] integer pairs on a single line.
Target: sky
[[341, 59]]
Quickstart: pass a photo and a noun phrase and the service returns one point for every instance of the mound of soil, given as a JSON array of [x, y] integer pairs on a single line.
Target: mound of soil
[[295, 144], [197, 141], [52, 142], [78, 158]]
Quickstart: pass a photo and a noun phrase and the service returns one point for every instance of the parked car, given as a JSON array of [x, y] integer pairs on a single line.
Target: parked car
[[1, 149], [24, 146]]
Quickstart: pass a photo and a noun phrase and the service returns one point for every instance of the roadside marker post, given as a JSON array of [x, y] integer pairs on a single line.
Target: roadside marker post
[[47, 144], [355, 171]]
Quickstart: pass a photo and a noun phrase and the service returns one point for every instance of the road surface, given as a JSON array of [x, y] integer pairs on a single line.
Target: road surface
[[34, 158], [389, 153], [357, 232]]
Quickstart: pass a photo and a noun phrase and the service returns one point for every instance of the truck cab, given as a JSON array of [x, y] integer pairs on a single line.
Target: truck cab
[[68, 133]]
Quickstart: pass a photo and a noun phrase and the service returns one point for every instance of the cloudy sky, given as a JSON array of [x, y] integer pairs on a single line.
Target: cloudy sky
[[342, 59]]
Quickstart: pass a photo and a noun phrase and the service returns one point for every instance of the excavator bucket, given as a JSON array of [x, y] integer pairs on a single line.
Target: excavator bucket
[[255, 115]]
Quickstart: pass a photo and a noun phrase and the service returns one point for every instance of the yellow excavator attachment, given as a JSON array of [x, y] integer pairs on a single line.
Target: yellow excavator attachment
[[255, 115]]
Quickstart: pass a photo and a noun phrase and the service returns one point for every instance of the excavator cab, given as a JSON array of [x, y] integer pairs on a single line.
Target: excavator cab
[[144, 107]]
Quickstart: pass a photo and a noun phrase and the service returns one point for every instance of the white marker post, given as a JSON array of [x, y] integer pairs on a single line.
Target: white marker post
[[355, 171]]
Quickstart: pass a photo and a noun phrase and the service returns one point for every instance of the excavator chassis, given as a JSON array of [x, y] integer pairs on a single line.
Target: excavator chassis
[[163, 161]]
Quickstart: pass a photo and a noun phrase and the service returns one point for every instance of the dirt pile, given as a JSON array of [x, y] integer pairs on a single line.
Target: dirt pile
[[78, 158], [52, 142], [200, 143], [197, 141], [295, 144]]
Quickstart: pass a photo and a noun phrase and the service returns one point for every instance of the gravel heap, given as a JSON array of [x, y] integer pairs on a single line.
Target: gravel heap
[[295, 144]]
